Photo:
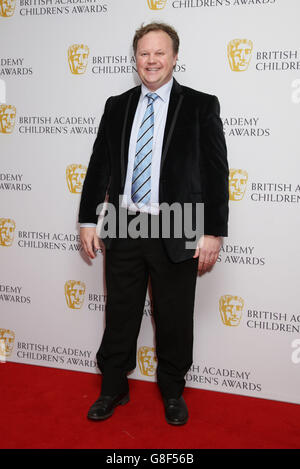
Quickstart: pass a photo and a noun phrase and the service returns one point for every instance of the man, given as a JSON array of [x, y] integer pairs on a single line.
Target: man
[[157, 143]]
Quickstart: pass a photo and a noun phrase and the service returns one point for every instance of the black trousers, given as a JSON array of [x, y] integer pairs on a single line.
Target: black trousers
[[129, 265]]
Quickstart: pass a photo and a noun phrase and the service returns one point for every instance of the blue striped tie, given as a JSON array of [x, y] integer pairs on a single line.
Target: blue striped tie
[[141, 177]]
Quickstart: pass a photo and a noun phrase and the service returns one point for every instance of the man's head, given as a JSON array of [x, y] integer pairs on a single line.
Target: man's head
[[156, 50]]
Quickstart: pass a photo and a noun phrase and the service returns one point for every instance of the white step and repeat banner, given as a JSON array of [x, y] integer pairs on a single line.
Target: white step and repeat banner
[[59, 61]]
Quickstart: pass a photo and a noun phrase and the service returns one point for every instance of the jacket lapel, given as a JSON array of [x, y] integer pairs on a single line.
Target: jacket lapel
[[131, 106], [176, 98]]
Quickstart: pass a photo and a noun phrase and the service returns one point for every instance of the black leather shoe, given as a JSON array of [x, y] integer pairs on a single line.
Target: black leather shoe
[[176, 411], [104, 406]]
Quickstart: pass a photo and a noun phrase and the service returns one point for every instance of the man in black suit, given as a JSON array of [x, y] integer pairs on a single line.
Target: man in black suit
[[157, 143]]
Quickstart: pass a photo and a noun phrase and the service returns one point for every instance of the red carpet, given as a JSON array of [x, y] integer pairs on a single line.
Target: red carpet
[[46, 408]]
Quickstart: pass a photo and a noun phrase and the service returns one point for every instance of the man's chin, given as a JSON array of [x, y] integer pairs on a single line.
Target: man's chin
[[153, 83], [151, 80]]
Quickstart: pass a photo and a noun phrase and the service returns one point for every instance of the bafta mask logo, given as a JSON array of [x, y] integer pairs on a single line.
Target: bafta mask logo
[[7, 339], [239, 54], [237, 184], [156, 4], [74, 292], [7, 8], [7, 118], [75, 174], [7, 231], [147, 361], [78, 55], [231, 309]]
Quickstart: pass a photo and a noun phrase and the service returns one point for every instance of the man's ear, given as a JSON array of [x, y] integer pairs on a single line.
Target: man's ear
[[175, 60]]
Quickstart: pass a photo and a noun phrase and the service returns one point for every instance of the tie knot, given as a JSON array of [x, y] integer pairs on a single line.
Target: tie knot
[[151, 97]]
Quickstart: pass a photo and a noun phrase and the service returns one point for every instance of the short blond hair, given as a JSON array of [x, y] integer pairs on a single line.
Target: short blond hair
[[143, 30]]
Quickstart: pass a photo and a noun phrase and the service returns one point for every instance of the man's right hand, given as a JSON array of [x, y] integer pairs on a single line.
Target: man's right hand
[[90, 241]]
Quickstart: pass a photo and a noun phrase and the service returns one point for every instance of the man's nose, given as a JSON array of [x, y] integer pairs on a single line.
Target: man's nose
[[151, 58]]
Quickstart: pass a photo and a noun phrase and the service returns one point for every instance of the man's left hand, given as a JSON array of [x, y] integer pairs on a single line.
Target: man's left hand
[[207, 250]]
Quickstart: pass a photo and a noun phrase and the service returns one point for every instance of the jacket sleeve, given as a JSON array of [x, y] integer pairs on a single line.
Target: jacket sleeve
[[216, 190], [98, 175]]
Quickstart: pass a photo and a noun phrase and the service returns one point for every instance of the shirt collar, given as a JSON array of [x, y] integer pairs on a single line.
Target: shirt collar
[[163, 92]]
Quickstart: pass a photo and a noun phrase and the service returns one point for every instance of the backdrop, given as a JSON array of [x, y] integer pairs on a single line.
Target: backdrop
[[60, 60]]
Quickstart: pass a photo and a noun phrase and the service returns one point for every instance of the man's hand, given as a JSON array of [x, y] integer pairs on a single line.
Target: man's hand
[[89, 240], [207, 250]]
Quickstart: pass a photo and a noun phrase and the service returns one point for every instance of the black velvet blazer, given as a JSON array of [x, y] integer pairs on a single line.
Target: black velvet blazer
[[194, 164]]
